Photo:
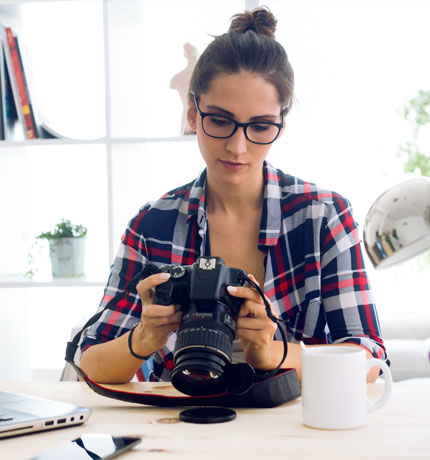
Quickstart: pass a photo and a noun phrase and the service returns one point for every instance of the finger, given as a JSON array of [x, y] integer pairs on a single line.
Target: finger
[[254, 279], [260, 322], [244, 293], [145, 287], [152, 281], [253, 324], [251, 309], [159, 311]]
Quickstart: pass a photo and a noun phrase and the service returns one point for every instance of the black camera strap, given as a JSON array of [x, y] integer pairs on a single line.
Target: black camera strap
[[248, 388], [275, 320]]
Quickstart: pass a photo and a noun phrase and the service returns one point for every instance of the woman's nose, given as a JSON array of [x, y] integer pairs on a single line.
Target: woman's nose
[[238, 143]]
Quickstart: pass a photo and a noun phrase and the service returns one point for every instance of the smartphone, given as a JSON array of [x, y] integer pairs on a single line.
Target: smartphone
[[90, 447]]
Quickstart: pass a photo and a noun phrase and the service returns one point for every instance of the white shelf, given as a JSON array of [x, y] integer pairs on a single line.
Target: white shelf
[[101, 141], [53, 283]]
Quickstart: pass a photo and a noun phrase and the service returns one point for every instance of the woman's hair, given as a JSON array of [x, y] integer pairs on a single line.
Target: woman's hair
[[248, 45]]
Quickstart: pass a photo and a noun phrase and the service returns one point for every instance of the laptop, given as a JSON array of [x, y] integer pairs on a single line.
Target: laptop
[[20, 414]]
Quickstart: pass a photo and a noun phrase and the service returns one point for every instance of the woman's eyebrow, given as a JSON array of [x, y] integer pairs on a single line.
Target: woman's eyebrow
[[258, 117], [231, 115], [215, 107]]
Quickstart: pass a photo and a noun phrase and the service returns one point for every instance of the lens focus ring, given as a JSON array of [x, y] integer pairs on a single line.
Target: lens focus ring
[[202, 337]]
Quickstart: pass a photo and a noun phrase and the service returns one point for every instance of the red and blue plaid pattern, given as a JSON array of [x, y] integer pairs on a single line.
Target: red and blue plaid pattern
[[314, 271]]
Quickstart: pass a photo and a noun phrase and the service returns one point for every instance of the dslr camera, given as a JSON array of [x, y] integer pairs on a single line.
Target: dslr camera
[[204, 345]]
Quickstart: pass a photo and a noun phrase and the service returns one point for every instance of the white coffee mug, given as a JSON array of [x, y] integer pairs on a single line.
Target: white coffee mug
[[334, 386]]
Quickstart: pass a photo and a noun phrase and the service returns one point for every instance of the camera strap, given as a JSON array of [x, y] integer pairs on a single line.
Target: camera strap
[[248, 388]]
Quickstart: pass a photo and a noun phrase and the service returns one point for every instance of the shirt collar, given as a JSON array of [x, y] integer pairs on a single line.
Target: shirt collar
[[197, 203], [271, 218], [270, 226]]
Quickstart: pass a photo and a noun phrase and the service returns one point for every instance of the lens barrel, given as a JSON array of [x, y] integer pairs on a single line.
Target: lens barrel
[[203, 350]]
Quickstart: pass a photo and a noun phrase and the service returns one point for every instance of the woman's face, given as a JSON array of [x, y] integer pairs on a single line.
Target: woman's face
[[244, 97]]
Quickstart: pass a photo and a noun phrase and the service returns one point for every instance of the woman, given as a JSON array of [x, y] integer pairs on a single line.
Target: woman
[[298, 241]]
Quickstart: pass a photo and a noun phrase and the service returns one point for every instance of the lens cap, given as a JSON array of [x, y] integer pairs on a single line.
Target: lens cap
[[207, 415]]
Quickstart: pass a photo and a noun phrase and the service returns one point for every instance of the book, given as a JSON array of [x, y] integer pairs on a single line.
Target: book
[[18, 84], [16, 75], [8, 114], [16, 102], [29, 113], [2, 101]]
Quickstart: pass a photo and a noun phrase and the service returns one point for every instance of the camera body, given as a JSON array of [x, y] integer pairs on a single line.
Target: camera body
[[205, 281], [204, 344]]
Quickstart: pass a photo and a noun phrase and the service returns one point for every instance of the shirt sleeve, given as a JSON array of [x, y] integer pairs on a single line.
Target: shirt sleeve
[[121, 316], [345, 289]]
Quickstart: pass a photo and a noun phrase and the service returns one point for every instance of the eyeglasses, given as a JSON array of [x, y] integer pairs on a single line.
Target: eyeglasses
[[223, 127]]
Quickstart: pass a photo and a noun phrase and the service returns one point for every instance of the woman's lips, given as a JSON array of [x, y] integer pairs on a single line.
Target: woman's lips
[[232, 165]]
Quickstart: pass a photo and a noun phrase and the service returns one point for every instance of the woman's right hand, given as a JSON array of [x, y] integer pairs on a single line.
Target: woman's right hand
[[157, 321]]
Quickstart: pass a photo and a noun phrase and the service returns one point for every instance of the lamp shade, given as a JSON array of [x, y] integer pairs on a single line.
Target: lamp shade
[[397, 226]]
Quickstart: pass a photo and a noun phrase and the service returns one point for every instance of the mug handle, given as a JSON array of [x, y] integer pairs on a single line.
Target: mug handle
[[373, 362]]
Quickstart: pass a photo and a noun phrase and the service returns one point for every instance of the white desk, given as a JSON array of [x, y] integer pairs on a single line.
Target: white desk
[[399, 430]]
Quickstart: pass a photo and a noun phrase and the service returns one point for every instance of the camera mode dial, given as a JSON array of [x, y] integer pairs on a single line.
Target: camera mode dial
[[176, 271], [174, 290]]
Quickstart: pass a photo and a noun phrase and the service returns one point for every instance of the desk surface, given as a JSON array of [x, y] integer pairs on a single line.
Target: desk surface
[[401, 429]]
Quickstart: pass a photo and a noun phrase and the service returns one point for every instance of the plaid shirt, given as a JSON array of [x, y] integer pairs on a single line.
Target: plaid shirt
[[314, 270]]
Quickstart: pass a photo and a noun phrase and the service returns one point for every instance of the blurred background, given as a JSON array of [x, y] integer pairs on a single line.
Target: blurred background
[[100, 78]]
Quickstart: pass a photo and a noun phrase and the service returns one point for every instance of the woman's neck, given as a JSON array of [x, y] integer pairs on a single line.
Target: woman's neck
[[234, 199]]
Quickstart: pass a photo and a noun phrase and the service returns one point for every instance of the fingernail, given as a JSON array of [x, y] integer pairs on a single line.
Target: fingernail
[[164, 276], [254, 279], [231, 289]]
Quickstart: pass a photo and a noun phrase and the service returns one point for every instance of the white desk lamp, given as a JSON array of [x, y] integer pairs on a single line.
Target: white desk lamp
[[397, 226]]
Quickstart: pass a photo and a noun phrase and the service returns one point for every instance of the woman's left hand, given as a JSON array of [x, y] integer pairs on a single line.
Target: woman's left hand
[[254, 328]]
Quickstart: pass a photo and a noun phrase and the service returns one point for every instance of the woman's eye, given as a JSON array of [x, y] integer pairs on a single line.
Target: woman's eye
[[218, 121], [260, 127]]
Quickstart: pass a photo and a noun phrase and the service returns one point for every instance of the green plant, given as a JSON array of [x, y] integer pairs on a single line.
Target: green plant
[[65, 229], [32, 256], [417, 112]]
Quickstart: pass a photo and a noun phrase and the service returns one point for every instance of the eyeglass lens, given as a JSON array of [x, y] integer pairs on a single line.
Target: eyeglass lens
[[219, 126]]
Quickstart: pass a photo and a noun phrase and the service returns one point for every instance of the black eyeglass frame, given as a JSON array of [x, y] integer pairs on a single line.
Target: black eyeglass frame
[[237, 124]]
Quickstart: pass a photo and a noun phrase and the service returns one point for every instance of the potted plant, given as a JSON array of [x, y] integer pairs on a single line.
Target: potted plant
[[67, 249]]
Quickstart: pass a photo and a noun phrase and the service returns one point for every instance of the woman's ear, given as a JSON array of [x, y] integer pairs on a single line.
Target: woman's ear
[[191, 115]]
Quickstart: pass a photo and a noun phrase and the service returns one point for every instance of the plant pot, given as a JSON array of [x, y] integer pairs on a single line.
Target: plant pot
[[67, 257]]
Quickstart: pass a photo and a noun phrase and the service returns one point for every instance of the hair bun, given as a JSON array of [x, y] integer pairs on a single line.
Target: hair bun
[[260, 20]]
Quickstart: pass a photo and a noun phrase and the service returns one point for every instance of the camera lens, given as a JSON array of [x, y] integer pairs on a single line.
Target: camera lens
[[199, 374], [204, 344], [203, 350]]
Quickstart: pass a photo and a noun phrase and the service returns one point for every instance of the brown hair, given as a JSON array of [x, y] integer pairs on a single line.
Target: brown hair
[[248, 45]]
